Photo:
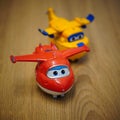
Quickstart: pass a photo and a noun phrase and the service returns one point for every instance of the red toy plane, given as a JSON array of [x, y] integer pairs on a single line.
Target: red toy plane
[[53, 72]]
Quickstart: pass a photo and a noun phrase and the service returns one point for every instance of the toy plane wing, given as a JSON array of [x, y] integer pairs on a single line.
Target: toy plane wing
[[31, 58], [73, 51], [48, 32]]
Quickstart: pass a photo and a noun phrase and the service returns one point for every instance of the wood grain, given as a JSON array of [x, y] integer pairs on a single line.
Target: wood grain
[[96, 93]]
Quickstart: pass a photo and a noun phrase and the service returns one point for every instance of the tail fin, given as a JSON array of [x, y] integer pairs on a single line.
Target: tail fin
[[51, 14], [82, 22]]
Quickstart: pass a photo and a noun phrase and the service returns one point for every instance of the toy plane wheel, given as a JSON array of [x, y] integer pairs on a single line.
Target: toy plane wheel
[[55, 96], [62, 95]]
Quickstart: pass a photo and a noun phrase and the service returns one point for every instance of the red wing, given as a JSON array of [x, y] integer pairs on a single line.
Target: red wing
[[31, 58], [73, 51]]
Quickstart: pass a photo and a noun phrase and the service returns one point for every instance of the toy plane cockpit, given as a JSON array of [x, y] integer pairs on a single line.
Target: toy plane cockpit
[[54, 74], [67, 34]]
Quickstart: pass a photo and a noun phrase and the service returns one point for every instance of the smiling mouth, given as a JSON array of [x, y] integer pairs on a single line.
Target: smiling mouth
[[54, 92]]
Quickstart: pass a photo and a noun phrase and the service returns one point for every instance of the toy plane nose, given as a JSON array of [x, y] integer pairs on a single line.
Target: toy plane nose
[[64, 85], [80, 44]]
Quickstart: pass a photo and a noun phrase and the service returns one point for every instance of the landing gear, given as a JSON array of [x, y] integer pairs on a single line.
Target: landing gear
[[56, 96], [62, 95]]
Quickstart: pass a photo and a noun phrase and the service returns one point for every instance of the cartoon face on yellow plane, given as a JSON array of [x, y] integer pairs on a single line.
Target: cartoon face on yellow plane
[[67, 34]]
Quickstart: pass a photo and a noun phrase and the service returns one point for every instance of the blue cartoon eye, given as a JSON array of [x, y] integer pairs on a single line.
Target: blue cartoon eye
[[80, 36], [58, 72], [72, 39], [76, 36]]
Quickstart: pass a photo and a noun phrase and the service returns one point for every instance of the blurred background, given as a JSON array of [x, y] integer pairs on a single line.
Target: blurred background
[[96, 93]]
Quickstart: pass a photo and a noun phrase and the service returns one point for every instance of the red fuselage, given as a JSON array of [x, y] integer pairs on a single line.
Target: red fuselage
[[58, 83]]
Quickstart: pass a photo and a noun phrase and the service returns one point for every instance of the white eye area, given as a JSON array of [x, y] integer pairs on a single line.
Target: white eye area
[[52, 73], [72, 39], [58, 72], [75, 37], [65, 71]]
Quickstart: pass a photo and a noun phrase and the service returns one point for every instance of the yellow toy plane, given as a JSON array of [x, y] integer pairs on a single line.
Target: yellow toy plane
[[67, 34]]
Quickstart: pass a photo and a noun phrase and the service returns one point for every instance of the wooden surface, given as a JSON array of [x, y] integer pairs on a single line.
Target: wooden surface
[[96, 93]]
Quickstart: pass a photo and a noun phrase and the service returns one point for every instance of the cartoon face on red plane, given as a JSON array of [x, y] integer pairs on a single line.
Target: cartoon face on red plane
[[55, 76], [53, 71]]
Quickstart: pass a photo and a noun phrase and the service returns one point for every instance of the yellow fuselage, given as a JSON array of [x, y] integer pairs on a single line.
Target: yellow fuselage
[[67, 34]]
